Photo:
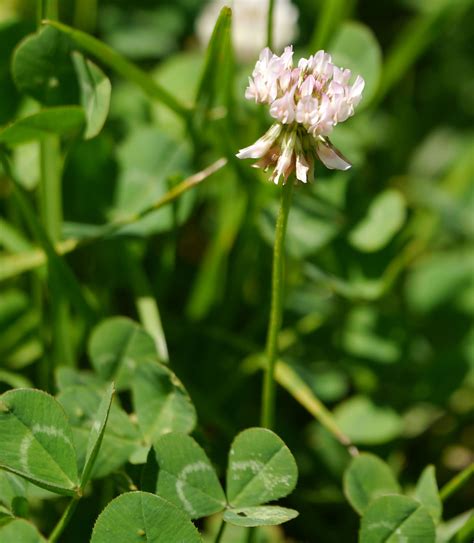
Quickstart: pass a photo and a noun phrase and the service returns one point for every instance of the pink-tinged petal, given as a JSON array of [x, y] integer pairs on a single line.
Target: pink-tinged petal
[[284, 109], [331, 157], [262, 145], [357, 88], [307, 86], [287, 57], [265, 55]]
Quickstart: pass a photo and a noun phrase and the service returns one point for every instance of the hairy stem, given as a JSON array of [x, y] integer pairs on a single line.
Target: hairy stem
[[274, 325]]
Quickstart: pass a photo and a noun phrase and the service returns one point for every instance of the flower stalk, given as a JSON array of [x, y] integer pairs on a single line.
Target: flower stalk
[[276, 309], [64, 520], [306, 102]]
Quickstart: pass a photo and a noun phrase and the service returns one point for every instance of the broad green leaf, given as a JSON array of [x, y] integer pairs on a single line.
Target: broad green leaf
[[42, 68], [396, 519], [161, 402], [263, 515], [355, 46], [5, 515], [261, 468], [426, 492], [185, 476], [439, 278], [117, 347], [122, 66], [12, 490], [366, 423], [149, 159], [12, 30], [384, 218], [366, 479], [69, 377], [142, 33], [135, 517], [26, 162], [180, 73], [362, 339], [121, 438], [95, 90], [20, 531], [61, 120], [37, 441], [97, 433]]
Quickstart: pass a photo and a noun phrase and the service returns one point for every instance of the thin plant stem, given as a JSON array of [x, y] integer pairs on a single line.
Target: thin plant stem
[[252, 535], [50, 195], [47, 9], [220, 533], [85, 15], [147, 306], [64, 520], [456, 482], [274, 325], [270, 21]]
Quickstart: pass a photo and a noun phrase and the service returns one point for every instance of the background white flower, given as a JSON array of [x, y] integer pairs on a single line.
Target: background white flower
[[249, 24]]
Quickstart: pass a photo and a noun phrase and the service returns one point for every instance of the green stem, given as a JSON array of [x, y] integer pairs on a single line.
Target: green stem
[[456, 482], [220, 533], [330, 14], [268, 398], [71, 285], [50, 187], [64, 520], [50, 193], [47, 9], [252, 535], [147, 307], [271, 6], [85, 15]]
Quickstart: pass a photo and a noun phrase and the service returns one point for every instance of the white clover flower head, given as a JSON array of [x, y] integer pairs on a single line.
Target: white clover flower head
[[307, 102]]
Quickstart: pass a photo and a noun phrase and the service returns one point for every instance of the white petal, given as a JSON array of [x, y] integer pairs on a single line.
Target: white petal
[[355, 92], [331, 157], [307, 86], [262, 145], [283, 164], [302, 168]]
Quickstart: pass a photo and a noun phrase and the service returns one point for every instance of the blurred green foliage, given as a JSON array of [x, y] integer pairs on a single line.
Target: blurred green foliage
[[380, 275]]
